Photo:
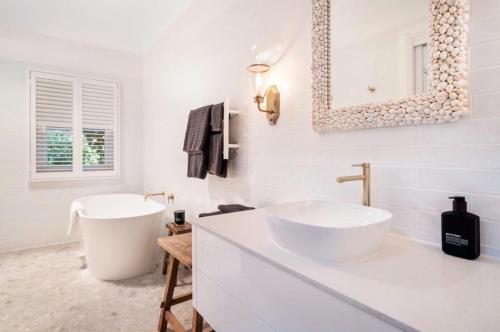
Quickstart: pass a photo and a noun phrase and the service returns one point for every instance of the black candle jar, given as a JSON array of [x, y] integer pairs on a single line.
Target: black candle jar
[[179, 217]]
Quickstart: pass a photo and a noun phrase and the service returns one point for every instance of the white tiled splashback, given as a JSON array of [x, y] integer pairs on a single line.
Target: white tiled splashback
[[415, 168]]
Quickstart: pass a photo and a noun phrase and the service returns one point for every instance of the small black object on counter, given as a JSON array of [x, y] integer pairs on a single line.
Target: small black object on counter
[[460, 231]]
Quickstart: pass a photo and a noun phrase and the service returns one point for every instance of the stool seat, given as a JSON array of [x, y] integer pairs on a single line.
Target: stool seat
[[176, 229], [178, 246]]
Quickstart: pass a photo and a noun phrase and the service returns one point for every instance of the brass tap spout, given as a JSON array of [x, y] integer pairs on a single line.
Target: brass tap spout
[[365, 178], [170, 197], [153, 194]]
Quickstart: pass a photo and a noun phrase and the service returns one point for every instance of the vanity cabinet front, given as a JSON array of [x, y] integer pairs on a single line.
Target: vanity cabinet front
[[235, 290]]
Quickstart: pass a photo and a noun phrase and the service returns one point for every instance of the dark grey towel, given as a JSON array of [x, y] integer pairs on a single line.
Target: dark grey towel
[[208, 214], [216, 163], [197, 165], [215, 155], [196, 142], [217, 118], [196, 136], [227, 208], [230, 208]]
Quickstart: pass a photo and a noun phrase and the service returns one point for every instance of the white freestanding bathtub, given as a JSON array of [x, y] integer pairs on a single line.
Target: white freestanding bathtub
[[119, 234]]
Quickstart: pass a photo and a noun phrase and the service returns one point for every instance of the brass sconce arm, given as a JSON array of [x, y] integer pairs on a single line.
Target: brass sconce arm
[[259, 100], [272, 101]]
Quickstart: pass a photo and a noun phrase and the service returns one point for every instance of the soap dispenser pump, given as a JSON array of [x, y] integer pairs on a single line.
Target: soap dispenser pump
[[460, 231]]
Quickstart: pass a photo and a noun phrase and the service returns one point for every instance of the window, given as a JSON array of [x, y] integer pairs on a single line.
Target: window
[[74, 127], [420, 68], [418, 57]]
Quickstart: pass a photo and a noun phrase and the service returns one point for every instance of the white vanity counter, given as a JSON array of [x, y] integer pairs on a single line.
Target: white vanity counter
[[407, 286]]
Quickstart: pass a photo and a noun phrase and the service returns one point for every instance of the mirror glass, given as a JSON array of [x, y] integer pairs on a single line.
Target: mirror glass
[[378, 50]]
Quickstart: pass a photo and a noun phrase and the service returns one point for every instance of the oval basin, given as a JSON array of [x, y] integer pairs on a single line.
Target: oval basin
[[328, 231]]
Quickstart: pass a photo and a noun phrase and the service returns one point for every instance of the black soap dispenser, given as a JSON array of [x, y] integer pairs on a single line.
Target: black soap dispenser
[[460, 231]]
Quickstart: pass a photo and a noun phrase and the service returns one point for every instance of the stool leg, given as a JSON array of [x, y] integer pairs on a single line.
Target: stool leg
[[165, 264], [173, 265], [197, 321], [165, 259]]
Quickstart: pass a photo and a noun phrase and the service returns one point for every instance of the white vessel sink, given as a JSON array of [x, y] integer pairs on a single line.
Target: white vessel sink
[[328, 231]]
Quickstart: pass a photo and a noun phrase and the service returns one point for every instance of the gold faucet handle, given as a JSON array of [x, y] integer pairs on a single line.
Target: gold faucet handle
[[170, 198], [361, 165]]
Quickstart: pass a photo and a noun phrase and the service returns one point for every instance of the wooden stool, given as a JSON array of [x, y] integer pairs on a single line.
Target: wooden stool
[[179, 249], [174, 229]]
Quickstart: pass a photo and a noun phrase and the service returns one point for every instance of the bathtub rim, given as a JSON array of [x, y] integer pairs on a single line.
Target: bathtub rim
[[159, 208]]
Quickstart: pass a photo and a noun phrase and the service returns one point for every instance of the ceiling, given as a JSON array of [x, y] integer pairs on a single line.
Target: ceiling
[[131, 26]]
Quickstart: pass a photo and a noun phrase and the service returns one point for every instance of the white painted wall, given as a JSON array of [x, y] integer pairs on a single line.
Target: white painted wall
[[415, 168], [380, 61], [37, 214], [371, 45]]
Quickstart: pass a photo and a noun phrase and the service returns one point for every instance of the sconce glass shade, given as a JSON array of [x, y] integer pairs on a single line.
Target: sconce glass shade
[[257, 74]]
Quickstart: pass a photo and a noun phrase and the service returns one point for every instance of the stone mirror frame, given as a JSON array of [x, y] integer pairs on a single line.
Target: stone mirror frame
[[446, 99]]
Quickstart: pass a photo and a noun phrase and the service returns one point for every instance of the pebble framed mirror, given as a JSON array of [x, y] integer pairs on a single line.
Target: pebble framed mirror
[[384, 63]]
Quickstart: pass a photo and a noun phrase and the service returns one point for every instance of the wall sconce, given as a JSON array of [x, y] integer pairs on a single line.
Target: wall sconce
[[257, 74]]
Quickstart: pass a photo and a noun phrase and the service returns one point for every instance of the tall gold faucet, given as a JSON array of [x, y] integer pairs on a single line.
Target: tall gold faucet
[[365, 177]]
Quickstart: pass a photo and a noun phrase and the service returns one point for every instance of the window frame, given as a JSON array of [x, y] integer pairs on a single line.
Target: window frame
[[77, 172], [416, 40]]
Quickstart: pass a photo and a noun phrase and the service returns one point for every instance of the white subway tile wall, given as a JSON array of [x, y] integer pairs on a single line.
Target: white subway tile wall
[[415, 169]]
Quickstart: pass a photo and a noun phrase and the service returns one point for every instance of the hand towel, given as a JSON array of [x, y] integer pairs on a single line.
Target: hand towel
[[196, 136], [215, 155], [229, 208], [209, 214], [197, 165], [217, 165], [217, 118], [196, 142], [74, 217]]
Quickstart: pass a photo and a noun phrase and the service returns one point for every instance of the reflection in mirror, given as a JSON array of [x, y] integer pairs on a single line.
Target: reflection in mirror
[[378, 50]]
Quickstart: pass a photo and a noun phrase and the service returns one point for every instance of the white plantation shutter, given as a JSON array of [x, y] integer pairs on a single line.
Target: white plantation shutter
[[99, 105], [74, 127], [52, 103]]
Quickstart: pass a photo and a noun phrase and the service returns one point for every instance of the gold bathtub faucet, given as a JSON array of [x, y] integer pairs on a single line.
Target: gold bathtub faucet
[[170, 197], [365, 177]]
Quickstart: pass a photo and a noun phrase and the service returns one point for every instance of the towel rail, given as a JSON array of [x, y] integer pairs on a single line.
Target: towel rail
[[228, 113]]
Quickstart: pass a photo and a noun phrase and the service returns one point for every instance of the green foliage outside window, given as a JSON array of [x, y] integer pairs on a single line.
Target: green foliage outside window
[[93, 148], [60, 147]]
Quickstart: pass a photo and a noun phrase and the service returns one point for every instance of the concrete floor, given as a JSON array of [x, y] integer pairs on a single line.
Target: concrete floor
[[47, 290]]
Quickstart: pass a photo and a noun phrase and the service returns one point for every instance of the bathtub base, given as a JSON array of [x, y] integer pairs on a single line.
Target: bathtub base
[[122, 248]]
